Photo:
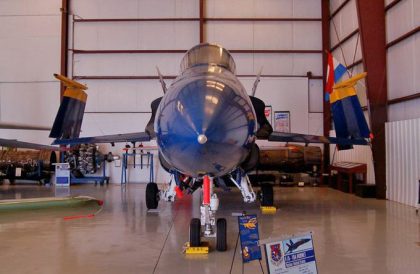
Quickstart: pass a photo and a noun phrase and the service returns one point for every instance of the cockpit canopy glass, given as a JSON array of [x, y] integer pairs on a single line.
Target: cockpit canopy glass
[[212, 54]]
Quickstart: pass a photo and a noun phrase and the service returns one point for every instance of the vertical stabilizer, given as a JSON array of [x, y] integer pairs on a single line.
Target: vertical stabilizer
[[68, 121]]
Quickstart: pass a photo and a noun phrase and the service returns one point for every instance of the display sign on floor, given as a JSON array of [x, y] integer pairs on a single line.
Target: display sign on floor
[[249, 236], [292, 255]]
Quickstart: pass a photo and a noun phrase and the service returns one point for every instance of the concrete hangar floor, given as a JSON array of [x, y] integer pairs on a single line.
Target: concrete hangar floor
[[351, 234]]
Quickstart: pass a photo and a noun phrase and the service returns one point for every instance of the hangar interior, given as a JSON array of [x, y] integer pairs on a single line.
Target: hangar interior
[[113, 47]]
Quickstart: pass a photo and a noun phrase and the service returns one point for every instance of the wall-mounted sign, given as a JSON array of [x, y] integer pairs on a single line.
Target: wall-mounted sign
[[282, 121]]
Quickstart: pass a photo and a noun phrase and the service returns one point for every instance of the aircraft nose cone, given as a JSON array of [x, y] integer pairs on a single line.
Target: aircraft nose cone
[[203, 128], [202, 139]]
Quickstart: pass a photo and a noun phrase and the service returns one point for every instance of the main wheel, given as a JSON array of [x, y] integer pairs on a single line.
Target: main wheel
[[195, 232], [221, 244], [152, 193], [267, 194]]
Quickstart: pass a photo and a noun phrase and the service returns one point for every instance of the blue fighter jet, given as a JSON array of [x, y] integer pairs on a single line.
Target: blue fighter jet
[[205, 126]]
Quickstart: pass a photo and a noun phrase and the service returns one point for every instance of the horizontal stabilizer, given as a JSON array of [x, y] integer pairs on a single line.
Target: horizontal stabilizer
[[116, 138], [19, 144], [314, 139]]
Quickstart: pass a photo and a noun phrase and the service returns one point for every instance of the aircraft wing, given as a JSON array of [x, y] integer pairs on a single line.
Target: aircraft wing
[[22, 126], [19, 144], [304, 138], [116, 138]]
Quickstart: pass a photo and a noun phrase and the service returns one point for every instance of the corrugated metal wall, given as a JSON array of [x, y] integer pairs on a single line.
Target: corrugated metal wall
[[403, 160]]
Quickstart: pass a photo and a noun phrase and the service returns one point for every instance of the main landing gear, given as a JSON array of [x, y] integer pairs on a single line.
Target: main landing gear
[[212, 227]]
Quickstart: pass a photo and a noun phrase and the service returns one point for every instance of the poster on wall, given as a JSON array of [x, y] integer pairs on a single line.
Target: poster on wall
[[292, 255], [282, 121], [268, 111]]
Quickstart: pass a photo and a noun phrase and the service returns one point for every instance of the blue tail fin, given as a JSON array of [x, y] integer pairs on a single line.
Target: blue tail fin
[[68, 121]]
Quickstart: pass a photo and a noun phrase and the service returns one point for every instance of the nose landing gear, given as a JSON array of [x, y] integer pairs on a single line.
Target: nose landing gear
[[212, 227]]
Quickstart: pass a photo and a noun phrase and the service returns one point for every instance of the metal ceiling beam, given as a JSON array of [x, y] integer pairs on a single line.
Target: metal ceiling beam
[[371, 17]]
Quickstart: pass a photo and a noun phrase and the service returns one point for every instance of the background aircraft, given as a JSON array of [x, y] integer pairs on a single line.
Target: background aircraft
[[205, 125]]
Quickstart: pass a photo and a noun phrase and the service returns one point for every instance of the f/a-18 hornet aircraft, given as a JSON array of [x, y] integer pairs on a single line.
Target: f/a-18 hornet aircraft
[[205, 126]]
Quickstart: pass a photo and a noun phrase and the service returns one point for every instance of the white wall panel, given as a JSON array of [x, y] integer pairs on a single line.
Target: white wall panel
[[285, 94], [135, 8], [29, 7], [404, 111], [403, 59], [122, 95], [274, 63], [346, 21], [400, 19], [316, 96], [35, 103], [416, 10], [316, 124], [359, 154], [403, 69], [127, 64], [266, 35], [278, 63], [272, 35], [136, 35], [303, 63], [33, 40], [403, 160], [307, 35], [232, 35], [29, 55], [264, 8], [307, 8]]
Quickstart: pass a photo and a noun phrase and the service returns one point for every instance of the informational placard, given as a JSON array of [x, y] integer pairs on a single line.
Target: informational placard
[[62, 174], [291, 256], [18, 172], [249, 236], [282, 121]]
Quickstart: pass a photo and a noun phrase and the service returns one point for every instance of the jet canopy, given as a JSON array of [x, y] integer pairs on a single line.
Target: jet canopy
[[208, 54]]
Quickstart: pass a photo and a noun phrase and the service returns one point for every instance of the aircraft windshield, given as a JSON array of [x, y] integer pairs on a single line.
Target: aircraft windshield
[[208, 54]]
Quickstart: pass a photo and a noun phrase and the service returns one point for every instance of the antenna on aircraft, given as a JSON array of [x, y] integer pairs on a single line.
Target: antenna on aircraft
[[257, 81], [162, 82]]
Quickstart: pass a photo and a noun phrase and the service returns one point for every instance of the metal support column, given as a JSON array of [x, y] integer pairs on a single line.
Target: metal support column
[[373, 40], [325, 10]]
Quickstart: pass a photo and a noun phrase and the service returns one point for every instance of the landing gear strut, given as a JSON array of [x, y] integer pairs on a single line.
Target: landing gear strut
[[212, 228]]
